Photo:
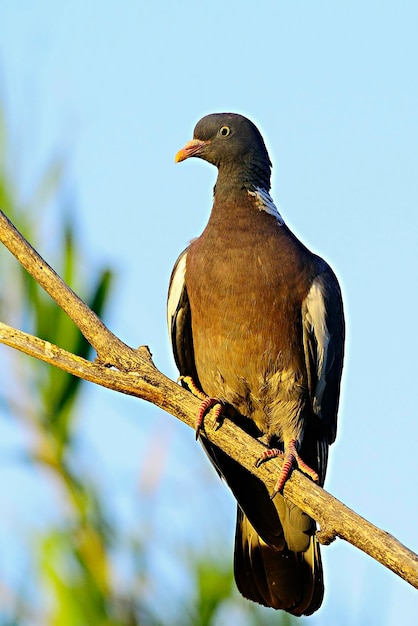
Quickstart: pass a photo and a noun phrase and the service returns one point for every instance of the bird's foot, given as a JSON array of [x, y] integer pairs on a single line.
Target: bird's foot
[[206, 404], [291, 456]]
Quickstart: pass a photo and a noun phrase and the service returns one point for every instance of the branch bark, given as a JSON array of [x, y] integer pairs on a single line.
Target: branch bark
[[131, 371]]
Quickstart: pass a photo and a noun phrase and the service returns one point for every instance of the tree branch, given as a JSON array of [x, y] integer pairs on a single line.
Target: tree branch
[[134, 373], [110, 349]]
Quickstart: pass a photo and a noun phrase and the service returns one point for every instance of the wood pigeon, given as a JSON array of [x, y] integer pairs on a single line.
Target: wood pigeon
[[256, 322]]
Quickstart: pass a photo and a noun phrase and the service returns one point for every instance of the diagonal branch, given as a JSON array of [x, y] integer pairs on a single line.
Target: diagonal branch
[[135, 374], [110, 349]]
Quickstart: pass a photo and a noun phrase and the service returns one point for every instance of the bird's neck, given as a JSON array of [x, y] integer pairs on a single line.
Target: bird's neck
[[241, 207], [234, 179]]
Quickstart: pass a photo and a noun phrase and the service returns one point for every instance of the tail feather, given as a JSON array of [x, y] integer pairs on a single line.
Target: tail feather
[[277, 560], [278, 578]]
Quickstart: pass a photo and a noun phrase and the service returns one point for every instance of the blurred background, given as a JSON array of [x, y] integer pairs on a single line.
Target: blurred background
[[110, 512]]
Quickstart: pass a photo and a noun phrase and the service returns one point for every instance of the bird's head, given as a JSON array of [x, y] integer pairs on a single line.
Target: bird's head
[[234, 144]]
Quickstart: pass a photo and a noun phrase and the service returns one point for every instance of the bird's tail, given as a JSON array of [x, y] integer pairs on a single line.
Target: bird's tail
[[277, 577]]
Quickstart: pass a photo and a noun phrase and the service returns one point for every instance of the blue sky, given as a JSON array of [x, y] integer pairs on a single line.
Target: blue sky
[[333, 88]]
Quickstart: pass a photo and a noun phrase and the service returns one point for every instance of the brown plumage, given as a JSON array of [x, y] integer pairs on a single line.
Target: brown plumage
[[256, 320]]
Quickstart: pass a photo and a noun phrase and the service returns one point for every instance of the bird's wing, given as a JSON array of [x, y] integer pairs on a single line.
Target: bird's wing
[[323, 340], [179, 320]]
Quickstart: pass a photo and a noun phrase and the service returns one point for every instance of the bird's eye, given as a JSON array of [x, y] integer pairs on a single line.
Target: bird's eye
[[224, 131]]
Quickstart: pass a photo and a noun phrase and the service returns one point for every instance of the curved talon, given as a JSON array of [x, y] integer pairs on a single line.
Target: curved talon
[[269, 453], [217, 420], [291, 456], [206, 404]]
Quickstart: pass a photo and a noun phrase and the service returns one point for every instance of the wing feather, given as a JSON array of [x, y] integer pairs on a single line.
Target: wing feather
[[323, 339], [179, 320]]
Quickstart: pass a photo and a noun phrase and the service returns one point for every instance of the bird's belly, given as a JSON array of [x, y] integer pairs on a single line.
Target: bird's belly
[[249, 359]]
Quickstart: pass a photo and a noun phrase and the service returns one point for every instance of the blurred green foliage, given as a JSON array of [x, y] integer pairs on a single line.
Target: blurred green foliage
[[73, 582]]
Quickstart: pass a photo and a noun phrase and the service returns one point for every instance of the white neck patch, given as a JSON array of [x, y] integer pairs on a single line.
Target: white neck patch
[[264, 202]]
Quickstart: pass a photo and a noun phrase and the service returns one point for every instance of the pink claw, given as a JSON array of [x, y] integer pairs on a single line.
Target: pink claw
[[291, 456], [206, 404]]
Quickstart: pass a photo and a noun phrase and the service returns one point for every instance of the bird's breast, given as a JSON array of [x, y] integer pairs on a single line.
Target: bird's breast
[[245, 294]]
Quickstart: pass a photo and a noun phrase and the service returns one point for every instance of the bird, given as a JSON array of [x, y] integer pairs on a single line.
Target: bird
[[256, 323]]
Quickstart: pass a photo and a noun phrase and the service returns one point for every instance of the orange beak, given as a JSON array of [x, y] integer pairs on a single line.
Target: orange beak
[[192, 148]]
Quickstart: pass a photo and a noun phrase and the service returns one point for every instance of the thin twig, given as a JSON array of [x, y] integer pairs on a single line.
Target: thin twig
[[110, 349]]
